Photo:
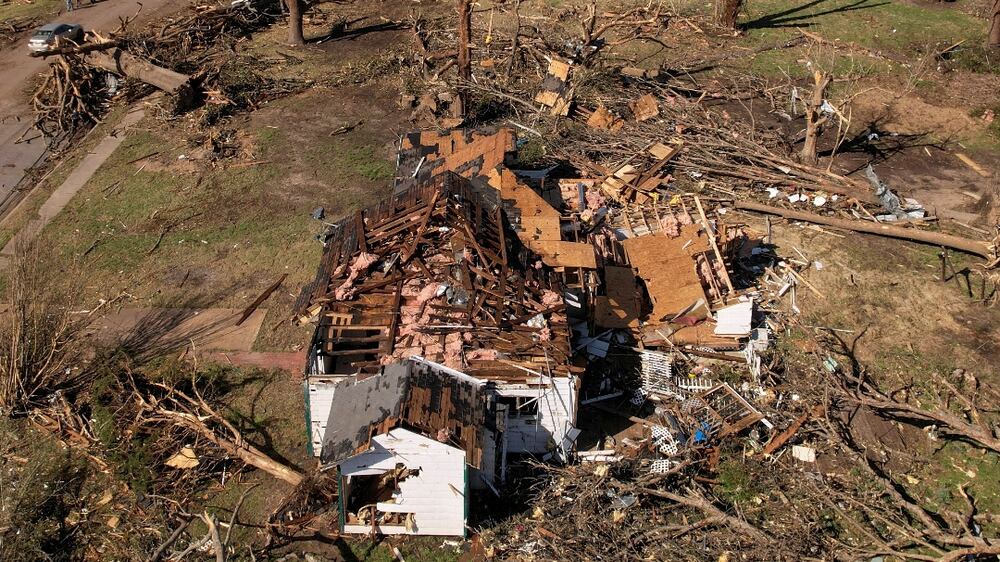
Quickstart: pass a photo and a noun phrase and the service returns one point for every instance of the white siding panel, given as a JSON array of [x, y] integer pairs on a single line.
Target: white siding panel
[[435, 495], [320, 388]]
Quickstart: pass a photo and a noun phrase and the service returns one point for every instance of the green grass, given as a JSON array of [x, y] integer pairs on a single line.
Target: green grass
[[351, 161], [227, 215], [35, 8], [874, 24], [957, 464], [364, 162], [421, 549], [736, 483]]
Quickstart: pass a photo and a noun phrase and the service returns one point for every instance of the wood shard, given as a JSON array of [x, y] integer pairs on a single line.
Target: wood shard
[[645, 108], [601, 118]]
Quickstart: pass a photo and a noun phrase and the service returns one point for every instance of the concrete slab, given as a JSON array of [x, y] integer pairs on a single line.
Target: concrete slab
[[292, 362], [149, 331]]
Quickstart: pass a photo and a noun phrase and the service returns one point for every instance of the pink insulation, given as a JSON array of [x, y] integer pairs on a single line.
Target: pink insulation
[[551, 298], [427, 293], [595, 200], [481, 355], [685, 218], [359, 265], [671, 226], [545, 334], [705, 272], [453, 351]]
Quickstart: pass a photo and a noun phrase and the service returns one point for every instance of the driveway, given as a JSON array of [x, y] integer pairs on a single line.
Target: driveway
[[18, 69]]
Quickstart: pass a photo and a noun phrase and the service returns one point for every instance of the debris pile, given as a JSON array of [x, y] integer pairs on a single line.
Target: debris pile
[[189, 57]]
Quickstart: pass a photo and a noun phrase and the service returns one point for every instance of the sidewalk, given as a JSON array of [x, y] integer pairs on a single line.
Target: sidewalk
[[73, 184]]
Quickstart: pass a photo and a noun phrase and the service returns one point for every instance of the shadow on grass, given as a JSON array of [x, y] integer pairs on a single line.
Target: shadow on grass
[[794, 17], [880, 145], [341, 33]]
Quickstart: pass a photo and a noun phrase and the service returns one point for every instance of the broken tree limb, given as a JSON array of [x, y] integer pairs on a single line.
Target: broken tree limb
[[783, 437], [236, 446], [196, 415], [946, 422], [710, 511], [977, 247]]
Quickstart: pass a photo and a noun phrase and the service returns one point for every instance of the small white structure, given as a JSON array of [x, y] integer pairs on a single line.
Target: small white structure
[[409, 483], [541, 419]]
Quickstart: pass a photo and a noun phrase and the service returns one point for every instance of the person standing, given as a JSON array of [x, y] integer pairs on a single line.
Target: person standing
[[69, 5]]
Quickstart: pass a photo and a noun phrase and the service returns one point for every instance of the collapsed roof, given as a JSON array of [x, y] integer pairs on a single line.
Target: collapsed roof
[[436, 271]]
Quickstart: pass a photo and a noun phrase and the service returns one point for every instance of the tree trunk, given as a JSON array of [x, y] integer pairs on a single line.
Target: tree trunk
[[968, 245], [814, 119], [727, 11], [125, 64], [295, 22], [464, 56], [994, 38]]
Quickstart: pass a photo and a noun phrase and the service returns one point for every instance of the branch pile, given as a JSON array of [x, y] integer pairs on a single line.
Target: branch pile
[[192, 57]]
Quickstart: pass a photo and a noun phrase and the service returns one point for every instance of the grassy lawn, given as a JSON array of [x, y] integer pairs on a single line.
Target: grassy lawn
[[10, 9], [173, 234], [885, 26]]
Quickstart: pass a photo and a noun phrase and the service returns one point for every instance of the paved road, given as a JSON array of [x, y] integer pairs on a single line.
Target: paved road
[[17, 70]]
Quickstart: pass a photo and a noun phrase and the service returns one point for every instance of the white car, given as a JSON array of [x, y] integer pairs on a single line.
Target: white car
[[45, 37]]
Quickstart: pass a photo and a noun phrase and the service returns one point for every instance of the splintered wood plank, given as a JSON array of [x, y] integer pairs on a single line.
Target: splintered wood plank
[[390, 344], [715, 247], [359, 225], [421, 229]]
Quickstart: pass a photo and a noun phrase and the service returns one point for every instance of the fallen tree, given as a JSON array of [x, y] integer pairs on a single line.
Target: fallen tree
[[195, 414], [977, 247]]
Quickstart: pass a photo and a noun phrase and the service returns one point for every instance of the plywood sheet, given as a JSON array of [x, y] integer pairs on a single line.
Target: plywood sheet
[[701, 335], [620, 308], [539, 224], [667, 266], [559, 253]]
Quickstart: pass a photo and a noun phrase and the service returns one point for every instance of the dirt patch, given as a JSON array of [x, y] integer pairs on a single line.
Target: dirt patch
[[884, 297], [961, 88], [910, 115], [295, 134], [935, 177], [360, 40]]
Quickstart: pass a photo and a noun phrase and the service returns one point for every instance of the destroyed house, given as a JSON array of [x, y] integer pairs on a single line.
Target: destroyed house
[[438, 272]]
